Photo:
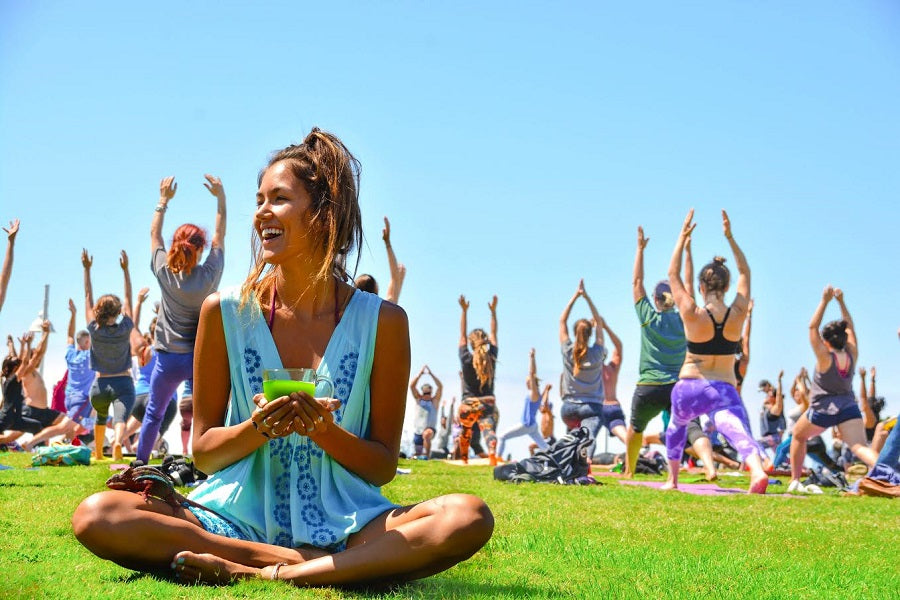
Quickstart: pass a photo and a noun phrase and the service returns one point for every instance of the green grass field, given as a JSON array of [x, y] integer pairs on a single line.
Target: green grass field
[[609, 541]]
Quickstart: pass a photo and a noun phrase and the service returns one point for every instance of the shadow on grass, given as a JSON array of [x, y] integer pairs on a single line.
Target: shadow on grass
[[15, 485]]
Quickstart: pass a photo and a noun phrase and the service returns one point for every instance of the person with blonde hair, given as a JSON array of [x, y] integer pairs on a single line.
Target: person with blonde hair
[[478, 357], [662, 352], [706, 383], [184, 283], [582, 377], [294, 487]]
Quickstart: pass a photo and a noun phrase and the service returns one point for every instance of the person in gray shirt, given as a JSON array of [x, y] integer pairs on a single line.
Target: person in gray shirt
[[184, 283], [110, 356]]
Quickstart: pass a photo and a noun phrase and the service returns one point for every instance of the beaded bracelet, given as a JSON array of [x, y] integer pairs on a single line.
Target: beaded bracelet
[[275, 570]]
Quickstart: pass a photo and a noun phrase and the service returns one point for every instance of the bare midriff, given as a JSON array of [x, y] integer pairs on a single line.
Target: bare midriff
[[716, 367]]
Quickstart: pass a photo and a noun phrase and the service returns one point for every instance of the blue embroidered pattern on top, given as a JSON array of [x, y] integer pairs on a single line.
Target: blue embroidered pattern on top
[[289, 492]]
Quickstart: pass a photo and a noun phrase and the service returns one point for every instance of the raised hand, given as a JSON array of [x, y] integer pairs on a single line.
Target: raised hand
[[531, 353], [781, 374], [12, 230], [45, 326], [839, 294], [687, 228], [642, 241], [386, 232], [123, 261], [72, 308], [580, 291], [214, 186], [493, 304], [86, 259], [463, 303], [142, 294], [167, 189], [862, 371], [872, 371], [726, 224], [828, 293]]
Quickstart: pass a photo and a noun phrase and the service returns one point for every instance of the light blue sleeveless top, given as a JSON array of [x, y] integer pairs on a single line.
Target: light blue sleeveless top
[[289, 492]]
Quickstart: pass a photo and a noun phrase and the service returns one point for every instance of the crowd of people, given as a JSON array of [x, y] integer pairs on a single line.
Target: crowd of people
[[294, 482]]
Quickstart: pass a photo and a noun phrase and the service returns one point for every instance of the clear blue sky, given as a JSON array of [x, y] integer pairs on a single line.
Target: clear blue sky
[[515, 147]]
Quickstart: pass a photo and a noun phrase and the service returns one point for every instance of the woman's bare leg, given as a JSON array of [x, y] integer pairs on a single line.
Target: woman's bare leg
[[803, 430], [854, 434], [400, 545], [62, 426], [703, 448], [146, 535]]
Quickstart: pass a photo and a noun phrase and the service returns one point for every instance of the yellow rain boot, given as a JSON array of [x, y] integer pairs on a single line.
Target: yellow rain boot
[[99, 439]]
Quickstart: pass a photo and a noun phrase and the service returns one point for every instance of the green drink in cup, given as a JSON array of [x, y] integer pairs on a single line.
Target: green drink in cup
[[283, 382]]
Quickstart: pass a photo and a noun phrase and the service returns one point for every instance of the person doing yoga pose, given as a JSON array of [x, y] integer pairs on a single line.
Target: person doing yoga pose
[[478, 406], [184, 283], [294, 487], [706, 381], [831, 397]]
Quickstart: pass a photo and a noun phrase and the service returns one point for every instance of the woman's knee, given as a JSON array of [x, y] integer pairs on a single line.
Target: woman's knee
[[94, 518], [466, 522]]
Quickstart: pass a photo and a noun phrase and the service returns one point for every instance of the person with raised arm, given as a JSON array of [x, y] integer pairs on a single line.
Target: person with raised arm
[[706, 383], [478, 402], [832, 403], [32, 381], [582, 376], [427, 402], [367, 283], [772, 423], [742, 358], [613, 417], [6, 270], [184, 284], [294, 487], [662, 352], [528, 424], [81, 375], [110, 356]]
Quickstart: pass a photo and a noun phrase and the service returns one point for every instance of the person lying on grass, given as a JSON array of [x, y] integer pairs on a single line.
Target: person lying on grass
[[295, 481]]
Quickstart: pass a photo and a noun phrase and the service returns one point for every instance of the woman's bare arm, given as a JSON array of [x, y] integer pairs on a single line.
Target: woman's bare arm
[[398, 271], [742, 299], [464, 305], [815, 338], [683, 299], [86, 262], [167, 189], [6, 271], [564, 317], [214, 185]]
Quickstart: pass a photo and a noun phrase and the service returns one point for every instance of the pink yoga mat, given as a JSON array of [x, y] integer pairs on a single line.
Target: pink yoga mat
[[701, 489]]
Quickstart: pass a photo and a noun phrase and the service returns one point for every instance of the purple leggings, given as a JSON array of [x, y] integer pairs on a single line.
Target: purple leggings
[[718, 399], [170, 370]]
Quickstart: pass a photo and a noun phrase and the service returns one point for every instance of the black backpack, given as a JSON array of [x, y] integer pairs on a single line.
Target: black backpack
[[563, 462]]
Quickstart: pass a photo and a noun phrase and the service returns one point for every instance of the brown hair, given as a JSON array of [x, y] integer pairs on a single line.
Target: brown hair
[[330, 175], [108, 307], [481, 359], [583, 331], [715, 275], [187, 244], [367, 283], [835, 333]]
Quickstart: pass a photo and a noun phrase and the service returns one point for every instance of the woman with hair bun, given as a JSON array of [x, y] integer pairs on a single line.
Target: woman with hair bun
[[832, 402], [294, 488], [582, 377], [184, 283], [706, 383], [478, 405]]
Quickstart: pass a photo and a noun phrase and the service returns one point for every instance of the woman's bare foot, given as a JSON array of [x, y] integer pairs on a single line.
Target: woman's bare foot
[[711, 473], [758, 484], [670, 484], [208, 568]]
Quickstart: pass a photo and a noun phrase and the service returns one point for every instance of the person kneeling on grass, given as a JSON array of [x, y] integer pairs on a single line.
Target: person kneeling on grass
[[295, 481]]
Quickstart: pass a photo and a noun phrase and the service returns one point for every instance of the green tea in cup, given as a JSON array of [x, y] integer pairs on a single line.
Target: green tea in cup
[[283, 382]]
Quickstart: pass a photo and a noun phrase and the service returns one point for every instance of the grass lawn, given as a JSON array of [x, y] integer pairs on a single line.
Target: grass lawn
[[609, 541]]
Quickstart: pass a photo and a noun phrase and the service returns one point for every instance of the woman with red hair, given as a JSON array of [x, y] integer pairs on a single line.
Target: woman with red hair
[[185, 284]]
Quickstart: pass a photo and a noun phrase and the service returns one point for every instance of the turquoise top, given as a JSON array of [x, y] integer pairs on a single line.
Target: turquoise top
[[662, 344], [289, 492]]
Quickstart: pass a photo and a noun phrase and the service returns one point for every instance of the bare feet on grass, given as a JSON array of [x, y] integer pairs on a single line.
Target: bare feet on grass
[[208, 568], [758, 484]]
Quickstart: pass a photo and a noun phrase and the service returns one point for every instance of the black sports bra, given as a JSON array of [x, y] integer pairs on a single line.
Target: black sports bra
[[717, 345]]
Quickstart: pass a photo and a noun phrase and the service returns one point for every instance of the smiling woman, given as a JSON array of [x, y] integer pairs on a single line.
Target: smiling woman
[[295, 487]]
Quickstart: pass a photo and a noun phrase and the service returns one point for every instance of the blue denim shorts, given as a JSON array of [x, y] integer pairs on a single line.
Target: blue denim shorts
[[833, 410]]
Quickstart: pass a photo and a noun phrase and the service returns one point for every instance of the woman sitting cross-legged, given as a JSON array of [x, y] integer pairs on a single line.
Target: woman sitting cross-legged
[[295, 481]]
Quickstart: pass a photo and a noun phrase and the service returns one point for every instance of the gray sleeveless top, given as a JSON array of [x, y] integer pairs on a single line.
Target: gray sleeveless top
[[832, 382]]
